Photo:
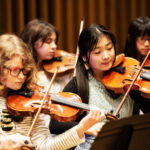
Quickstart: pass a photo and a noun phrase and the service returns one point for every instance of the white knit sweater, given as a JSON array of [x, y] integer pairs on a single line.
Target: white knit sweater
[[99, 96]]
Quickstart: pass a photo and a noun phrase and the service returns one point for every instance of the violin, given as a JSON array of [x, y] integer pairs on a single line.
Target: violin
[[62, 106], [119, 78], [63, 60]]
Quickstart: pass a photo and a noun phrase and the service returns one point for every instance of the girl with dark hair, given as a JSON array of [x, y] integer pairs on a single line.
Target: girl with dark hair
[[138, 41], [96, 56], [42, 38], [137, 46]]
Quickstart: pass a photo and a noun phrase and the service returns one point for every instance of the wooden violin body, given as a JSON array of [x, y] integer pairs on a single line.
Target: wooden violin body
[[64, 61], [119, 82], [57, 105]]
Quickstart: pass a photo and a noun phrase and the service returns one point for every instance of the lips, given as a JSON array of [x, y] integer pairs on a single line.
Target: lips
[[19, 83], [51, 53], [105, 63]]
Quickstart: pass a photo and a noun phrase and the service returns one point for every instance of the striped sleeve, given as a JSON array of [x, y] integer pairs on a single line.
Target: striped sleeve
[[42, 138]]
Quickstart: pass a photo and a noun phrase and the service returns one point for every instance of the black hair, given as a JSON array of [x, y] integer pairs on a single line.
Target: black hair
[[138, 27], [87, 41]]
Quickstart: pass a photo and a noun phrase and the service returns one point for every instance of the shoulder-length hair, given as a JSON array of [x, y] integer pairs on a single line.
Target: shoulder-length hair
[[139, 27], [35, 30], [11, 45], [87, 41]]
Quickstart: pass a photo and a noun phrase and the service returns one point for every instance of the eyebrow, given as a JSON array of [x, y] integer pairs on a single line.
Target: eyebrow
[[106, 45]]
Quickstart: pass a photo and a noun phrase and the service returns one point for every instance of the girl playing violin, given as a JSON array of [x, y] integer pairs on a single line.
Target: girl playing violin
[[96, 56], [42, 39], [18, 71], [137, 46]]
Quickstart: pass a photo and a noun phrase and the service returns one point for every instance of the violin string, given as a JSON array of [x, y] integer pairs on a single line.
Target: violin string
[[69, 101]]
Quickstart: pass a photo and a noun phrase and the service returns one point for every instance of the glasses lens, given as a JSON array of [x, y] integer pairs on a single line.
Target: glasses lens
[[15, 72]]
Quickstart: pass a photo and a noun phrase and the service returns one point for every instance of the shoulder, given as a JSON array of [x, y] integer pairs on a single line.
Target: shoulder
[[71, 86]]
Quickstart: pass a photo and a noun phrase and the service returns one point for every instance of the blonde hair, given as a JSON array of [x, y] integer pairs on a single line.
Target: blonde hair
[[11, 45]]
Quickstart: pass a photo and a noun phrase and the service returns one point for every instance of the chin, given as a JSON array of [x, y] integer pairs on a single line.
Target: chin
[[15, 88], [48, 58], [106, 68]]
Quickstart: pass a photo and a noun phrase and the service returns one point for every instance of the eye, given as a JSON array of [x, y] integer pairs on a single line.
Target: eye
[[97, 52], [109, 48], [48, 41]]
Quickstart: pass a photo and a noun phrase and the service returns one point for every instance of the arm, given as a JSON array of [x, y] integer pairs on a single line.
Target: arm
[[142, 102], [71, 86], [74, 136]]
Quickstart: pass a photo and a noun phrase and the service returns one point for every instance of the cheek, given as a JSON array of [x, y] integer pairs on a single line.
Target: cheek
[[9, 83], [94, 61], [138, 47], [40, 51], [113, 55]]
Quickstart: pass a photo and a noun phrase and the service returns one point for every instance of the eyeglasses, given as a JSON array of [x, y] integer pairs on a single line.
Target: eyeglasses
[[143, 40], [15, 72]]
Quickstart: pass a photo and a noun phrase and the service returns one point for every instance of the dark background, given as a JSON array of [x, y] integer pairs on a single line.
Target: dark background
[[66, 15]]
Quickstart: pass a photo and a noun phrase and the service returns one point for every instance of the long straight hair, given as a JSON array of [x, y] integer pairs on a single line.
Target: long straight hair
[[87, 41]]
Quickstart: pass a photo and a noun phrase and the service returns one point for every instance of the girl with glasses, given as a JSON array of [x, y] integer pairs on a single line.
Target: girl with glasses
[[137, 46], [138, 40], [18, 73]]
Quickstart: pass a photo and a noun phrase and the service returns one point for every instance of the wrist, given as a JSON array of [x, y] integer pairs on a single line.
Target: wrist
[[80, 130]]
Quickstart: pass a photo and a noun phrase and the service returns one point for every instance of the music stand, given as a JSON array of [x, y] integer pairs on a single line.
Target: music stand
[[131, 133]]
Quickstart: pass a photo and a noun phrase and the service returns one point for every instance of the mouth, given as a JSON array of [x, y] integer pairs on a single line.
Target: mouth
[[51, 54], [105, 63], [19, 83], [146, 50]]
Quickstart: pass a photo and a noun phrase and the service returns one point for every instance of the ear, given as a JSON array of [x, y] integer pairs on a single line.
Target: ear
[[84, 58], [37, 44]]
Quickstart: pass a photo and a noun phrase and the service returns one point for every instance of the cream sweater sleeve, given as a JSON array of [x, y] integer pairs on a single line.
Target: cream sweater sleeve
[[44, 141]]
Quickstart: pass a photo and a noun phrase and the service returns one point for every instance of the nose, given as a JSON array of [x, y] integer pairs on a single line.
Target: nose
[[21, 75], [53, 45], [147, 42], [105, 55]]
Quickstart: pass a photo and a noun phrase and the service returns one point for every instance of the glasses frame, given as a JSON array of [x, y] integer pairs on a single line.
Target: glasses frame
[[16, 72], [143, 40]]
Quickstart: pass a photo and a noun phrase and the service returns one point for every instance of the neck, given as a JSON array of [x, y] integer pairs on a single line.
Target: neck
[[98, 75], [39, 65], [140, 57]]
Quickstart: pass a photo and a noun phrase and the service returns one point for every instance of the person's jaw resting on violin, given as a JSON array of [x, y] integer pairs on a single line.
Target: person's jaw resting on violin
[[42, 38]]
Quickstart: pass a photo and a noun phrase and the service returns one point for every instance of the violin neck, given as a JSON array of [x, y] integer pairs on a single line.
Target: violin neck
[[64, 101]]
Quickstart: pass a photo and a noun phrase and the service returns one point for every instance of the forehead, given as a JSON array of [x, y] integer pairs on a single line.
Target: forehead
[[14, 61], [52, 36], [103, 40]]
